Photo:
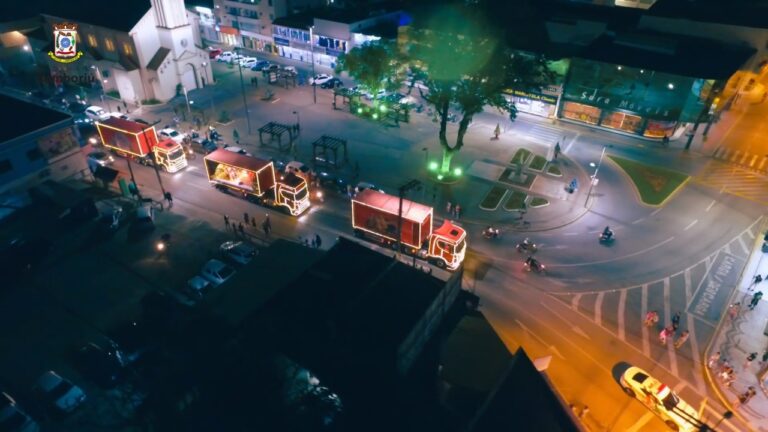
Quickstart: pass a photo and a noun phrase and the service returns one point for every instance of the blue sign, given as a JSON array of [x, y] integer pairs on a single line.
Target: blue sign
[[282, 41], [712, 295]]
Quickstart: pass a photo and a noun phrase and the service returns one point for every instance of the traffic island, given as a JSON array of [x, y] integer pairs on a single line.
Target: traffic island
[[654, 185], [537, 202], [554, 170], [493, 198], [538, 163], [516, 201], [521, 156], [516, 177]]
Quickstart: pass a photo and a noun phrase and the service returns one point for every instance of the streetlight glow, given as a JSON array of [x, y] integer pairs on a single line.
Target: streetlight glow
[[433, 166], [671, 86], [457, 172]]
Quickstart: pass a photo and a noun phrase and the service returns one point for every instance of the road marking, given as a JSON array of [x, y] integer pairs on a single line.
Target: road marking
[[638, 220], [641, 422], [670, 341], [570, 144], [575, 301], [619, 258], [197, 186], [643, 311], [599, 308], [743, 245], [548, 346], [718, 415], [622, 305], [573, 327], [571, 234], [698, 376], [709, 207], [690, 225], [656, 211]]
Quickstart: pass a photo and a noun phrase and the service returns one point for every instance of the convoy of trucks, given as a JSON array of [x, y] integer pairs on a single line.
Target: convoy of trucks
[[138, 141], [255, 179], [375, 217]]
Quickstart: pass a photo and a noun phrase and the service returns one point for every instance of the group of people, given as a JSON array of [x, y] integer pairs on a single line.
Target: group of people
[[453, 210], [669, 331], [239, 227], [722, 368]]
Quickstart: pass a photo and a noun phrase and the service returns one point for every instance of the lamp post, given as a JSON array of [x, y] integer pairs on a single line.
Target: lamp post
[[242, 86], [594, 176], [298, 119], [312, 56], [186, 96]]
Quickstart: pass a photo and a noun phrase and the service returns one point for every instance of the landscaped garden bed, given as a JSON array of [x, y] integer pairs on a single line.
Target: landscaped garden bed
[[521, 156], [515, 201], [554, 170], [538, 202], [493, 198], [654, 184], [538, 162]]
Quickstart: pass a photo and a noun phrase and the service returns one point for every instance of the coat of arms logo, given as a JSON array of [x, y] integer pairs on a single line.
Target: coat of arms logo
[[65, 43]]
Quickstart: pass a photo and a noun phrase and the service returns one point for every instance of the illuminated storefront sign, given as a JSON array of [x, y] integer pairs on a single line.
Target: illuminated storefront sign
[[533, 96]]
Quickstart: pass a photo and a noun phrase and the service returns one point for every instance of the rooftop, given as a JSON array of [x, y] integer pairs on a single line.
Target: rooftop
[[27, 117], [745, 13], [302, 20]]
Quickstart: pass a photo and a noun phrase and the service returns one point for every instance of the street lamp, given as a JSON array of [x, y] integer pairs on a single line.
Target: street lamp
[[312, 55], [242, 85], [298, 120], [594, 176]]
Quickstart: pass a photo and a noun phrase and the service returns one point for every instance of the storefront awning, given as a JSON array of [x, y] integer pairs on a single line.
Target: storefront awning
[[229, 30]]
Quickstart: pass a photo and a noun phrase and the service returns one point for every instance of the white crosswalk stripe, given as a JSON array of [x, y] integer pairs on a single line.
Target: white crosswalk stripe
[[734, 180]]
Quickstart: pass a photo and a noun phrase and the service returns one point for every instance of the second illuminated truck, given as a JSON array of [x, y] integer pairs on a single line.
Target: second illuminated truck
[[139, 141], [375, 216], [255, 179]]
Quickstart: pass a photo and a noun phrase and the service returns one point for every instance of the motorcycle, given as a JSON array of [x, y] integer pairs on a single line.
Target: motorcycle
[[526, 247], [607, 238], [491, 233], [535, 266]]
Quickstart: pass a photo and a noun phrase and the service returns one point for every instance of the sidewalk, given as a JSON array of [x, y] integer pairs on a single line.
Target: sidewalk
[[741, 332]]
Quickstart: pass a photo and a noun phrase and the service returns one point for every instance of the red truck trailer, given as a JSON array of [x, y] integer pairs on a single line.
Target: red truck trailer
[[255, 179], [375, 215], [131, 139]]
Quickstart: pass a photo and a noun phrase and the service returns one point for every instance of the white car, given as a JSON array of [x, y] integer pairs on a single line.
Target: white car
[[12, 418], [660, 399], [298, 169], [60, 392], [217, 272], [319, 79], [99, 158], [291, 69], [94, 112], [226, 56], [239, 252], [247, 62], [173, 134]]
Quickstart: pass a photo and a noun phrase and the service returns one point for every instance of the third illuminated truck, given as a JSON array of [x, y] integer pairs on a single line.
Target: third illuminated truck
[[375, 217]]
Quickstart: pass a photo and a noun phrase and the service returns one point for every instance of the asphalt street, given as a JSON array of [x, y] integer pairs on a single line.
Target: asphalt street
[[586, 312]]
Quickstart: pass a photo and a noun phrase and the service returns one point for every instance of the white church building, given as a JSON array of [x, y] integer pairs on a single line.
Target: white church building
[[143, 50]]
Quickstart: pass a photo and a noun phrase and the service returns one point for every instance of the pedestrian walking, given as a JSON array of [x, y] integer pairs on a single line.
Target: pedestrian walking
[[241, 228], [746, 396], [676, 321], [755, 299], [584, 412], [449, 208], [664, 334], [734, 309], [714, 359], [313, 243], [168, 197], [651, 318], [236, 136], [226, 221], [756, 280], [318, 241], [125, 105], [253, 222], [681, 340], [268, 222], [457, 211], [245, 218], [750, 358], [497, 132], [557, 149]]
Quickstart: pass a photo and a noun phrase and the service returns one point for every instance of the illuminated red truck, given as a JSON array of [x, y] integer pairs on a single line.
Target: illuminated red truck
[[254, 179], [135, 140], [375, 214]]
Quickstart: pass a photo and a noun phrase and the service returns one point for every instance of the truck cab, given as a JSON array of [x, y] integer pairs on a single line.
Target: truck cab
[[292, 192], [170, 155], [447, 246]]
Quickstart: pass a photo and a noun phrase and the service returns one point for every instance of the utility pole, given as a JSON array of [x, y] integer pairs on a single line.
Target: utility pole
[[594, 177], [312, 55], [401, 191], [705, 111], [154, 161]]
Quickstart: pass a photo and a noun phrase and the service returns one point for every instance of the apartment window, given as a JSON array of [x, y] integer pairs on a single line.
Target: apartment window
[[127, 49], [5, 166], [92, 41], [34, 154], [109, 44]]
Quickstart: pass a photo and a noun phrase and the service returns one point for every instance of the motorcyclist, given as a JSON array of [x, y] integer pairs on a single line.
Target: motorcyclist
[[532, 263], [525, 245], [607, 233]]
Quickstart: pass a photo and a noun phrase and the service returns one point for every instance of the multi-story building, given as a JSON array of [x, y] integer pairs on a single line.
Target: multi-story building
[[248, 23], [42, 144]]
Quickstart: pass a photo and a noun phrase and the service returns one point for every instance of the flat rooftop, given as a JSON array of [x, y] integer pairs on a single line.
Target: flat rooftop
[[27, 117]]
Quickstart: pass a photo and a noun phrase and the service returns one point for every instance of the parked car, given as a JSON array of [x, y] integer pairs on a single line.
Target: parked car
[[332, 83], [145, 219], [238, 251], [173, 134], [99, 158], [203, 145], [225, 56], [13, 418], [236, 149], [290, 69], [132, 340], [103, 365], [660, 399], [260, 65], [271, 68], [196, 288], [95, 113], [214, 52], [248, 62], [217, 272], [319, 79], [361, 186], [59, 392]]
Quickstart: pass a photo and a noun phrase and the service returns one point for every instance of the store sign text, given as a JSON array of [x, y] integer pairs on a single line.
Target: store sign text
[[533, 96], [625, 104]]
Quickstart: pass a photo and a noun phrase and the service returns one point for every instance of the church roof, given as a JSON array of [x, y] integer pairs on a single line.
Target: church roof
[[116, 15], [158, 58]]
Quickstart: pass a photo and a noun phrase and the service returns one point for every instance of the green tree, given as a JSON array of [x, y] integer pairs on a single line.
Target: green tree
[[465, 65], [376, 65]]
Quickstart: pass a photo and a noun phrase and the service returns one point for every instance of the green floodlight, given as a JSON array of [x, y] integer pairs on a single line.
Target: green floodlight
[[359, 110], [439, 176], [457, 172], [375, 116], [433, 166], [383, 108]]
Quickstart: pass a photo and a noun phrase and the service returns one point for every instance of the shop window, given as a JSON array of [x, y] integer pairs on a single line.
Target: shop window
[[109, 44], [127, 49], [622, 121], [659, 129], [581, 112], [5, 166], [92, 41], [34, 154]]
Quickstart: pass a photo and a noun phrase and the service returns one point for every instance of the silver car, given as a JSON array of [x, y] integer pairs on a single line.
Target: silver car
[[217, 272], [60, 392], [239, 252]]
